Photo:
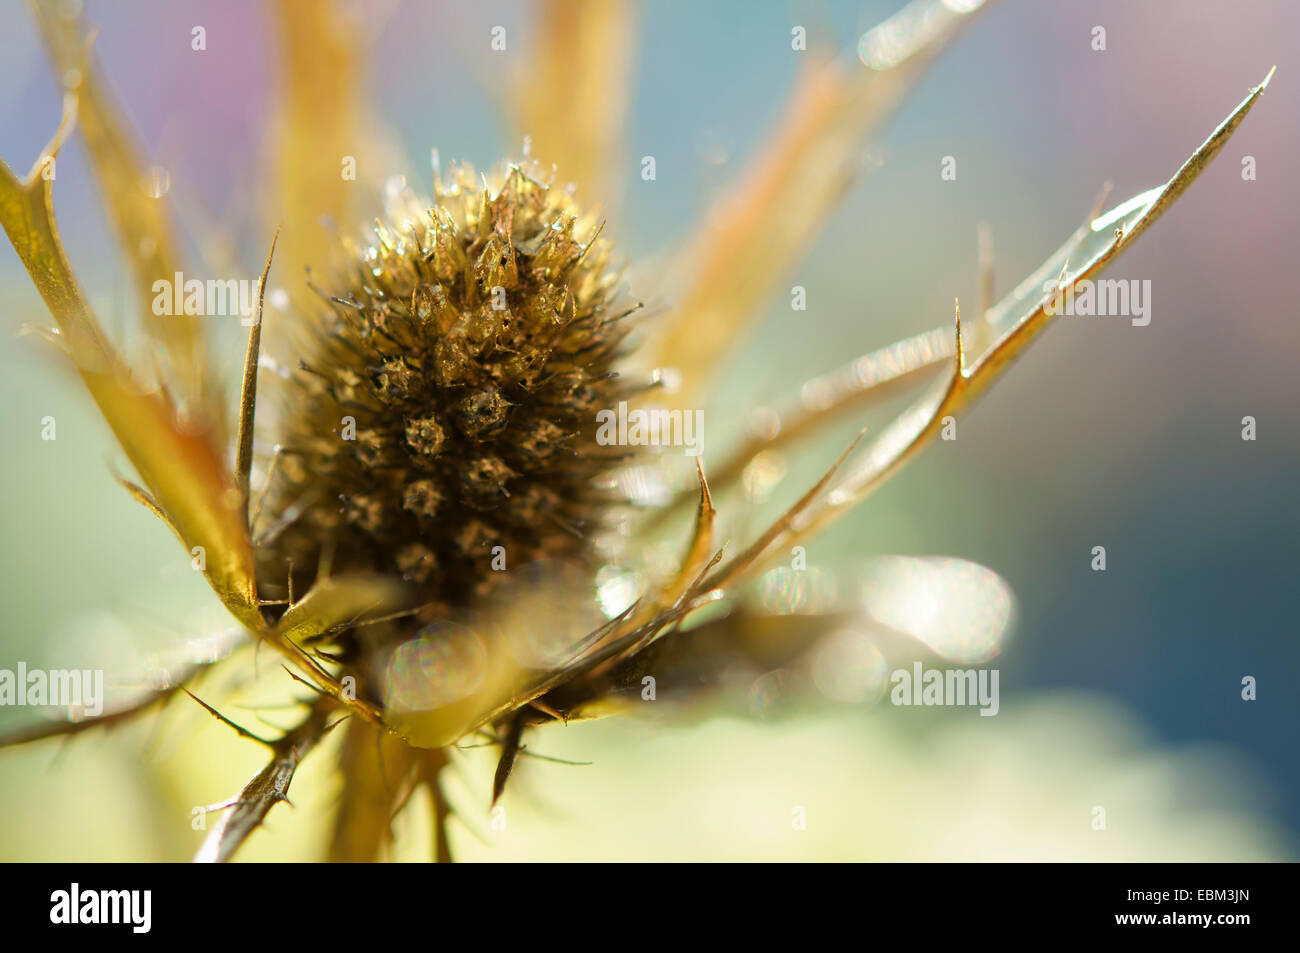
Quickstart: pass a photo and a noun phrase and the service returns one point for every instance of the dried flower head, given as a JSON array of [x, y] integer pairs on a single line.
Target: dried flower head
[[447, 396]]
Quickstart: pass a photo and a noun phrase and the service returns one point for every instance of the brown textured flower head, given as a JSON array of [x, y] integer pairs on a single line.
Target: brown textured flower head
[[446, 401]]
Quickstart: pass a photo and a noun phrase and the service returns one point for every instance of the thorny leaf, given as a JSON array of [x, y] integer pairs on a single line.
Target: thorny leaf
[[699, 558], [267, 788], [182, 469], [142, 223], [699, 552], [1017, 319], [1014, 322], [757, 230], [248, 394]]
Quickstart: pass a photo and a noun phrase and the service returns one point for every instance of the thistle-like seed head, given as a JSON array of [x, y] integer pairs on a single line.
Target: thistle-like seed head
[[447, 397]]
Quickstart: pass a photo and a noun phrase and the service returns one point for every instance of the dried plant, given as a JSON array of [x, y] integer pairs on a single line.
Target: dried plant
[[419, 540]]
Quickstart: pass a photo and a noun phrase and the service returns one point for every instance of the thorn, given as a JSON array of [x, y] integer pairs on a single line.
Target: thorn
[[509, 752], [332, 725], [961, 347], [1060, 279], [242, 732], [544, 757], [248, 393], [302, 681], [591, 241], [706, 499], [546, 709], [1264, 85]]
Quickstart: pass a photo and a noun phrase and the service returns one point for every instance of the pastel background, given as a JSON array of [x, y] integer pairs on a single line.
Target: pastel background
[[1119, 688]]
